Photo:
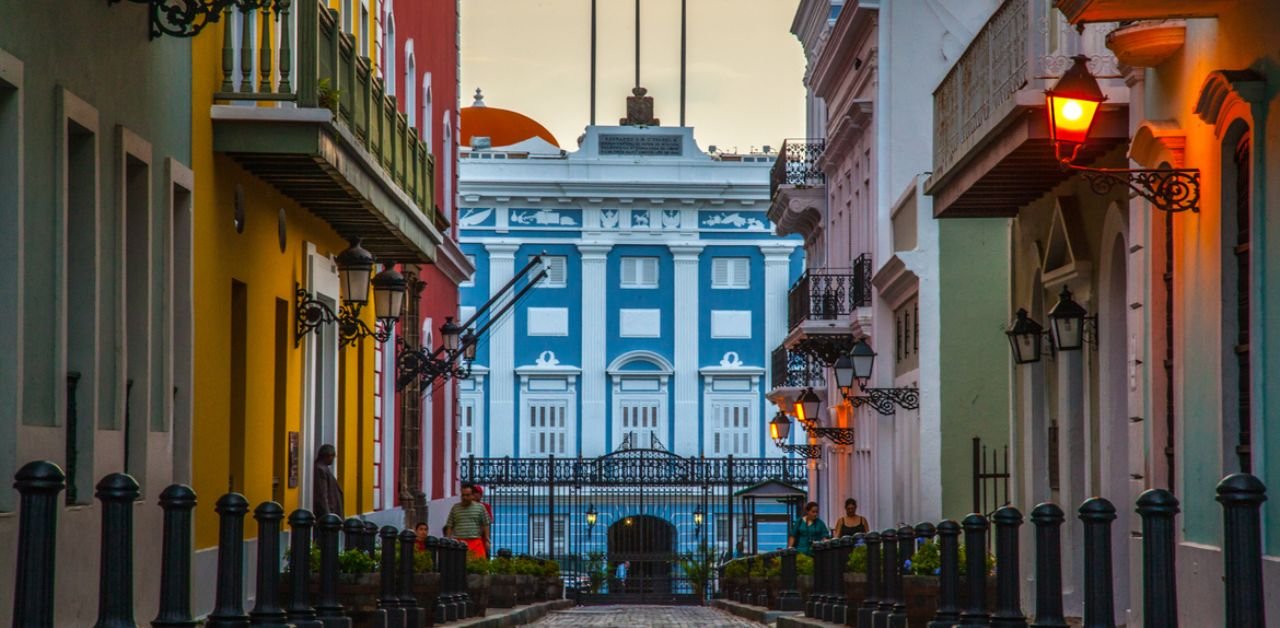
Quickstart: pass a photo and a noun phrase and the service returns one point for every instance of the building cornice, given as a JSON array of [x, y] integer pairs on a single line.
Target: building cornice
[[855, 27]]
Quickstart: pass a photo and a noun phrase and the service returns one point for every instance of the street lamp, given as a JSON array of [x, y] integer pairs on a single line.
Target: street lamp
[[857, 367], [444, 362], [450, 332], [697, 520], [1025, 336], [591, 518], [355, 265], [780, 429], [1071, 322], [1072, 106], [807, 406]]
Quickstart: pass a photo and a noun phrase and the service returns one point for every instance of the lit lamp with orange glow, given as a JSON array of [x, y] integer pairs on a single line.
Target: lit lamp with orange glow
[[1073, 104], [807, 405]]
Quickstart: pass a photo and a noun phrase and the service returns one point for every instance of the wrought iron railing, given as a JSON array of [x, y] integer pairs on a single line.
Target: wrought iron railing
[[329, 73], [797, 164], [829, 293], [1019, 48], [632, 468], [793, 369]]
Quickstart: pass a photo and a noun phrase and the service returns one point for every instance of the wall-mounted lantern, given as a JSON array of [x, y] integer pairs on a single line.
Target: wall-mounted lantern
[[857, 367], [355, 265]]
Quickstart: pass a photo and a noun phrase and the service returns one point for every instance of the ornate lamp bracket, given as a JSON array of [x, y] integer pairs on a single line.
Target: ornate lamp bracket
[[312, 313], [884, 400], [414, 364], [186, 18], [837, 435], [812, 452], [1171, 190]]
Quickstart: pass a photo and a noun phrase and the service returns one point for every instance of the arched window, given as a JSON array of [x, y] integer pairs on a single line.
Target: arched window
[[410, 84], [390, 56], [427, 116], [446, 157], [1237, 209]]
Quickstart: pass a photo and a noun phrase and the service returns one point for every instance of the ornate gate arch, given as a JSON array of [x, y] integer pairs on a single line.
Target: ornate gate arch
[[629, 525]]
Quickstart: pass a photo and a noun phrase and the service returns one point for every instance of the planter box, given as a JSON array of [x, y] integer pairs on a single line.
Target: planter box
[[478, 588], [502, 591], [426, 587], [526, 592], [357, 593], [921, 595]]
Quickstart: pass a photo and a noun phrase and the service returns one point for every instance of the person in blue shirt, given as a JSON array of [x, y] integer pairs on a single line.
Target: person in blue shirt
[[807, 529]]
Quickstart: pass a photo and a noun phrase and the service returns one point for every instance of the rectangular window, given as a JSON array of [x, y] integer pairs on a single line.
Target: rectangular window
[[731, 428], [466, 427], [556, 271], [731, 273], [541, 538], [639, 272], [545, 421], [469, 281], [641, 422]]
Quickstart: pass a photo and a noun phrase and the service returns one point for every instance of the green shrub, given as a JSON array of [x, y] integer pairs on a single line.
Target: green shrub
[[964, 563], [422, 562], [927, 560], [550, 568], [355, 561], [478, 565], [735, 569], [857, 560], [804, 565], [757, 568], [501, 566]]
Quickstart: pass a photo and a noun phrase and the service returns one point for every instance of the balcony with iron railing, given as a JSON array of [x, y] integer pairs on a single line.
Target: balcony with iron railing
[[827, 294], [795, 369], [991, 149], [798, 187], [321, 128]]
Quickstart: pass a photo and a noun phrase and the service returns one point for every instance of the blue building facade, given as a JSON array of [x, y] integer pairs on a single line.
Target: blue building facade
[[666, 291]]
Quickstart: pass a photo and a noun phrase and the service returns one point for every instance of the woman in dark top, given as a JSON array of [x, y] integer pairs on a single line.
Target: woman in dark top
[[851, 523]]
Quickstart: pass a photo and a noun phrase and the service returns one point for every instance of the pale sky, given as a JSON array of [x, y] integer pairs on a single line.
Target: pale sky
[[744, 78]]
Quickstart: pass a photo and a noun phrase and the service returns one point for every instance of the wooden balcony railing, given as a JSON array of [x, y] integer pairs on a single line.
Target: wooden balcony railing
[[797, 165], [261, 65]]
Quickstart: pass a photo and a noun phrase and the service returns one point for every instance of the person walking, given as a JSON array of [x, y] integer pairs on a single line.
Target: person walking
[[468, 522], [807, 529], [326, 493], [851, 523]]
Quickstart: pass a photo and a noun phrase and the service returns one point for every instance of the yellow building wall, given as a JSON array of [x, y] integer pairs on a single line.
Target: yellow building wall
[[255, 258]]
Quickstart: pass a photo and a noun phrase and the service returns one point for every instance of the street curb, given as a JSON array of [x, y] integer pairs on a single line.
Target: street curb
[[754, 613], [517, 616], [800, 621]]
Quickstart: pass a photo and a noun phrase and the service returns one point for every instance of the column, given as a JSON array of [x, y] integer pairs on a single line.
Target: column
[[594, 416], [502, 418], [777, 263], [1071, 471], [688, 323]]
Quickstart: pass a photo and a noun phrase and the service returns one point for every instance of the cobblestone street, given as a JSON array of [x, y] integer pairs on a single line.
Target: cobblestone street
[[636, 616]]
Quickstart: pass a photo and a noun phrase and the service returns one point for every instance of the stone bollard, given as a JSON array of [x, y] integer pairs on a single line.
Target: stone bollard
[[352, 534], [328, 609], [1008, 603], [1099, 605], [1241, 496], [300, 612], [38, 483], [1048, 518], [266, 609], [975, 553], [228, 611], [889, 570], [1157, 508], [117, 492], [414, 615], [789, 596], [948, 613], [866, 613], [177, 501]]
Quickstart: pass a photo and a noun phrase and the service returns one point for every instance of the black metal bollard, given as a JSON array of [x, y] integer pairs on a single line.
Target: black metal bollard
[[1008, 602], [388, 599], [177, 501], [266, 609], [117, 492], [906, 550], [1241, 496], [866, 613], [370, 537], [948, 613], [839, 561], [818, 597], [328, 609], [456, 553], [300, 612], [352, 534], [789, 596], [975, 550], [39, 483], [1048, 518], [1099, 606], [1157, 508], [906, 547], [414, 615], [889, 568], [460, 582], [229, 605]]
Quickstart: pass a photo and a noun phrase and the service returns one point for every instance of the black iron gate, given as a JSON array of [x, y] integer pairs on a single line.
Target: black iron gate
[[636, 525]]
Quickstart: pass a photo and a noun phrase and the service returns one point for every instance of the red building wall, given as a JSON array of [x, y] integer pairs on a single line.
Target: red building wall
[[425, 38]]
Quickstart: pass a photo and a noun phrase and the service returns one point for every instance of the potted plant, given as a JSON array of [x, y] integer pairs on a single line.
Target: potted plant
[[855, 576], [502, 583], [735, 579], [597, 572], [697, 568], [525, 570], [478, 584], [551, 581], [804, 575], [921, 589]]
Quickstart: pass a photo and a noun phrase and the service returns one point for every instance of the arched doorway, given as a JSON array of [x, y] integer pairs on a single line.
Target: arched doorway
[[646, 545]]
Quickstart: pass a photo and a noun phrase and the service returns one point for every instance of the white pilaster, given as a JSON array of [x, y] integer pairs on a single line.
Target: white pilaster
[[501, 356], [594, 415], [777, 260], [685, 416]]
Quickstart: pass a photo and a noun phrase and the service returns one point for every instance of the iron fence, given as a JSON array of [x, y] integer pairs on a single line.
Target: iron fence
[[794, 369], [797, 164], [830, 293]]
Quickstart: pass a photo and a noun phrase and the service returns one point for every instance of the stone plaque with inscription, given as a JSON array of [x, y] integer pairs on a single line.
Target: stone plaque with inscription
[[647, 145]]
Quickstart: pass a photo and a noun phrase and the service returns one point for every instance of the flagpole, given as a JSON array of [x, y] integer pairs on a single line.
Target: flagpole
[[593, 62]]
